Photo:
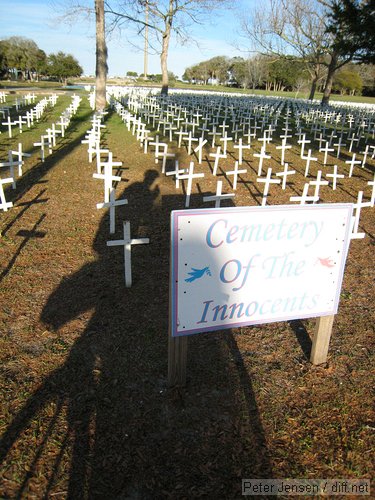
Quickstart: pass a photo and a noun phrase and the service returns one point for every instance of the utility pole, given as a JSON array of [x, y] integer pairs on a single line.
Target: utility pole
[[145, 70]]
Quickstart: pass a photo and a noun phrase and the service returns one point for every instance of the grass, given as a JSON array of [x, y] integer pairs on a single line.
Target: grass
[[85, 409]]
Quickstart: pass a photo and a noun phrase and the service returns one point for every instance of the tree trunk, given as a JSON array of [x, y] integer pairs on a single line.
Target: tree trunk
[[101, 57], [164, 56], [329, 81], [313, 88]]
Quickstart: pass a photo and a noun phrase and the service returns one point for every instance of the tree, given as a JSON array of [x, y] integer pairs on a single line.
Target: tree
[[294, 28], [164, 17], [21, 57], [347, 80], [353, 23], [62, 66], [346, 42], [101, 67]]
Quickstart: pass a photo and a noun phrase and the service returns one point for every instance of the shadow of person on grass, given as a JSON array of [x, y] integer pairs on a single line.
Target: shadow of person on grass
[[126, 434]]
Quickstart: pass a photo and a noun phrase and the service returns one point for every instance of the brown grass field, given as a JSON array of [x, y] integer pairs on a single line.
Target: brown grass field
[[85, 408]]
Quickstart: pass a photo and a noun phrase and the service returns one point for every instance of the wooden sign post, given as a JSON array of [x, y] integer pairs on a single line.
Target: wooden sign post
[[240, 266]]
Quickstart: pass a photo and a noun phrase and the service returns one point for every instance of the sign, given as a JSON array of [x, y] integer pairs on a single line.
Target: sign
[[240, 266]]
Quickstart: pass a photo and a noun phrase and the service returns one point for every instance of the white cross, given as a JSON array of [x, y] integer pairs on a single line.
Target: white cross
[[107, 177], [355, 219], [9, 123], [335, 175], [262, 156], [199, 149], [20, 122], [3, 203], [20, 155], [127, 243], [267, 182], [283, 148], [217, 157], [339, 144], [112, 204], [326, 150], [165, 155], [190, 139], [372, 183], [235, 174], [304, 198], [365, 153], [303, 142], [284, 174], [181, 133], [353, 162], [240, 148], [308, 159], [218, 196], [317, 183], [189, 176], [225, 139], [176, 172]]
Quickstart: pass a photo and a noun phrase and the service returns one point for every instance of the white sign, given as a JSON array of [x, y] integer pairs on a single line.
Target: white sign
[[240, 266]]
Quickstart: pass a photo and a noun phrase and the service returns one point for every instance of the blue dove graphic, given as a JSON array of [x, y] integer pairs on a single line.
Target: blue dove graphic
[[195, 274]]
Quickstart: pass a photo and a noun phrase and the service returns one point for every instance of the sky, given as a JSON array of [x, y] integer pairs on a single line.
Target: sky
[[38, 20]]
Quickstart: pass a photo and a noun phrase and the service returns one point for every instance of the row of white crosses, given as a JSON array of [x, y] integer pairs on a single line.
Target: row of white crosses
[[19, 103], [16, 157], [34, 114], [58, 128], [164, 110], [104, 172]]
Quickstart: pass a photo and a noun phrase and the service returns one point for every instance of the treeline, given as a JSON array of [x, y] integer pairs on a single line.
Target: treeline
[[278, 74], [22, 59]]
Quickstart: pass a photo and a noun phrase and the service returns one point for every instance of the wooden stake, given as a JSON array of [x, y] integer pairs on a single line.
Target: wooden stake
[[177, 357], [322, 335]]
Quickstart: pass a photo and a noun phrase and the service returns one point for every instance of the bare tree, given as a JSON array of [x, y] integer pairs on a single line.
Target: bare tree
[[291, 27], [164, 17]]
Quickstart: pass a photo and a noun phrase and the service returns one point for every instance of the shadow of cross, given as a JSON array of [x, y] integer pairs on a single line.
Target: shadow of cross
[[27, 235]]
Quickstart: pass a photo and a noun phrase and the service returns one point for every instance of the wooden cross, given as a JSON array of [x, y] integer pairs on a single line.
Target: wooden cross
[[335, 175], [326, 150], [235, 174], [240, 148], [308, 159], [127, 243], [317, 183], [181, 133], [218, 196], [262, 156], [267, 182], [217, 157], [353, 162], [189, 176], [3, 202], [284, 174], [305, 197], [355, 219], [112, 204], [165, 155]]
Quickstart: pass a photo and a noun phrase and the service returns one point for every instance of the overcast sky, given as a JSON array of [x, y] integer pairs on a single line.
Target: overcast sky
[[37, 19]]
